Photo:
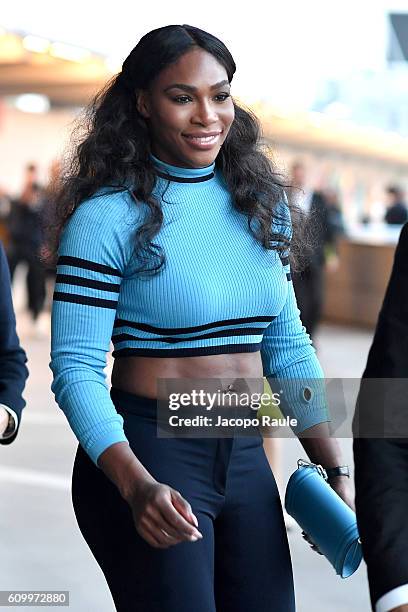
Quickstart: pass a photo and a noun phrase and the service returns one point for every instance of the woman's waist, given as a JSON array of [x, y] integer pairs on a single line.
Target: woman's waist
[[156, 378]]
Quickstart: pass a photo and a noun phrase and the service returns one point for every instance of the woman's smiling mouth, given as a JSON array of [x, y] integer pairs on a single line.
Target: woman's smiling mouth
[[202, 141]]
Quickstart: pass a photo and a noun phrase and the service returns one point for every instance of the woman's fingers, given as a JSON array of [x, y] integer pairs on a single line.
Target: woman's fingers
[[160, 523], [176, 520], [162, 516], [150, 537], [183, 507], [313, 546], [158, 536]]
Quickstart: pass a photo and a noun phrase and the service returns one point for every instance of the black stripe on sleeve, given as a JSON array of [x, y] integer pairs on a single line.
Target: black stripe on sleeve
[[285, 261], [289, 276], [60, 296], [77, 262], [68, 279]]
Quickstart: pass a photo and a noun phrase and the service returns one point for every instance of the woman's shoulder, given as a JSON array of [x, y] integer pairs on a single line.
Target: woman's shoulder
[[109, 205], [101, 228]]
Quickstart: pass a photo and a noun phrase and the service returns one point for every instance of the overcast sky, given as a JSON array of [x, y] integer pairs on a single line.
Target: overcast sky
[[282, 49]]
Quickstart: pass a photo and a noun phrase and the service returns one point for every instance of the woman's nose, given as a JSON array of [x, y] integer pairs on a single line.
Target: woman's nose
[[205, 113]]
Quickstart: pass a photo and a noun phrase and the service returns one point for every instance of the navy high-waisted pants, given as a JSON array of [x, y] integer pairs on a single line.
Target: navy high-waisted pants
[[242, 563]]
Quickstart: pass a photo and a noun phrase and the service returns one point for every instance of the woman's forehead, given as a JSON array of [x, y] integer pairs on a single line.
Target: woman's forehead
[[196, 68]]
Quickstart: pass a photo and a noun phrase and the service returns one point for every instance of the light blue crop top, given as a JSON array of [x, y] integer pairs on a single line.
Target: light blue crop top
[[220, 291]]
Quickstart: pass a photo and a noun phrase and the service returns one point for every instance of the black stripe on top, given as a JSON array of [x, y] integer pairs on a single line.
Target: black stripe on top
[[289, 276], [285, 261], [185, 179], [188, 352], [60, 296], [68, 279], [191, 330], [249, 331], [77, 262]]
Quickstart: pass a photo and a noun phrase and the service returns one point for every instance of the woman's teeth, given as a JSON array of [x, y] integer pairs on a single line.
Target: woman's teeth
[[206, 139]]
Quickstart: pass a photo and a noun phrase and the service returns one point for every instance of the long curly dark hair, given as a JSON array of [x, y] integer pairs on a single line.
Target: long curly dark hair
[[111, 147]]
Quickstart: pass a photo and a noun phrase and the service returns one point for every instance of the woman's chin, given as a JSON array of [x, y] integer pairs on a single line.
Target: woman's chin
[[201, 159]]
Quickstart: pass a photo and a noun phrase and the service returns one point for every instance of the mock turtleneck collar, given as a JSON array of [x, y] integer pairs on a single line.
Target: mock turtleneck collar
[[182, 175]]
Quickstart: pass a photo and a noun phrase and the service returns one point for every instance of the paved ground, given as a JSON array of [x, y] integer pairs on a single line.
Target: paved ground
[[44, 548]]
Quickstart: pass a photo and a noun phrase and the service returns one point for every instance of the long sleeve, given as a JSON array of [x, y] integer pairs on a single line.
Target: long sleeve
[[289, 359], [13, 371], [95, 249]]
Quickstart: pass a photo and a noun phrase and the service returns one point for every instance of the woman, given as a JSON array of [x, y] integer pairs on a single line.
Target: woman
[[175, 240]]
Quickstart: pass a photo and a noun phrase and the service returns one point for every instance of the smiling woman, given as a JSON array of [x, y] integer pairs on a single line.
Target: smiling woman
[[159, 104], [188, 129], [173, 235]]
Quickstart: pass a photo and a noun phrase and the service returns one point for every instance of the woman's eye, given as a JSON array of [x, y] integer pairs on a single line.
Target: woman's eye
[[223, 97], [185, 99], [181, 99]]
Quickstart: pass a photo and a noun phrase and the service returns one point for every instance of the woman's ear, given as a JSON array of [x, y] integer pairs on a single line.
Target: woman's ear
[[142, 104]]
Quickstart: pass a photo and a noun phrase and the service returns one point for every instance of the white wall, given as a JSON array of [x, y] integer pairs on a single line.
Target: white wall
[[26, 137]]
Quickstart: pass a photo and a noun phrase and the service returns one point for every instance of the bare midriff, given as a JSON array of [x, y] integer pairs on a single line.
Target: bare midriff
[[140, 375]]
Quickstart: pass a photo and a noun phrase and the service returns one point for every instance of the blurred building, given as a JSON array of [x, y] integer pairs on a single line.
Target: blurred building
[[376, 97]]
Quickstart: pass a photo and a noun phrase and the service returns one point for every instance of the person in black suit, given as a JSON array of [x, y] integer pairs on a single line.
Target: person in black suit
[[397, 212], [13, 371], [25, 233], [309, 282], [380, 430]]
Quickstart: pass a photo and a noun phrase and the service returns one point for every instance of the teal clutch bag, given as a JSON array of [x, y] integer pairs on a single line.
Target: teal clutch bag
[[325, 517]]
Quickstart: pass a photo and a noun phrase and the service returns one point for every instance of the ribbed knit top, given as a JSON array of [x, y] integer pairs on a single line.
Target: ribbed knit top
[[220, 291]]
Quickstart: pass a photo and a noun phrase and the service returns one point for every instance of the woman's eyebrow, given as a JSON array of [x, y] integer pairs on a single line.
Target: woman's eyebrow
[[192, 89]]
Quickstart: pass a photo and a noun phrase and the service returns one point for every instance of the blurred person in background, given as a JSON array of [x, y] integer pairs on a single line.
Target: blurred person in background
[[186, 523], [5, 206], [13, 371], [30, 180], [335, 226], [381, 459], [309, 282], [25, 240], [397, 212]]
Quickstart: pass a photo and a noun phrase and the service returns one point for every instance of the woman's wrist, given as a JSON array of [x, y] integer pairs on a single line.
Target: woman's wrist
[[320, 447], [122, 467]]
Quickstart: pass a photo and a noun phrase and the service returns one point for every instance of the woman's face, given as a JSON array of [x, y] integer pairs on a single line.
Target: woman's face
[[189, 110]]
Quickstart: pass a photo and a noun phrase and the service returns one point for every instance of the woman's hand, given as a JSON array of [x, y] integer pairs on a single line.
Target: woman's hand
[[342, 486], [162, 516]]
